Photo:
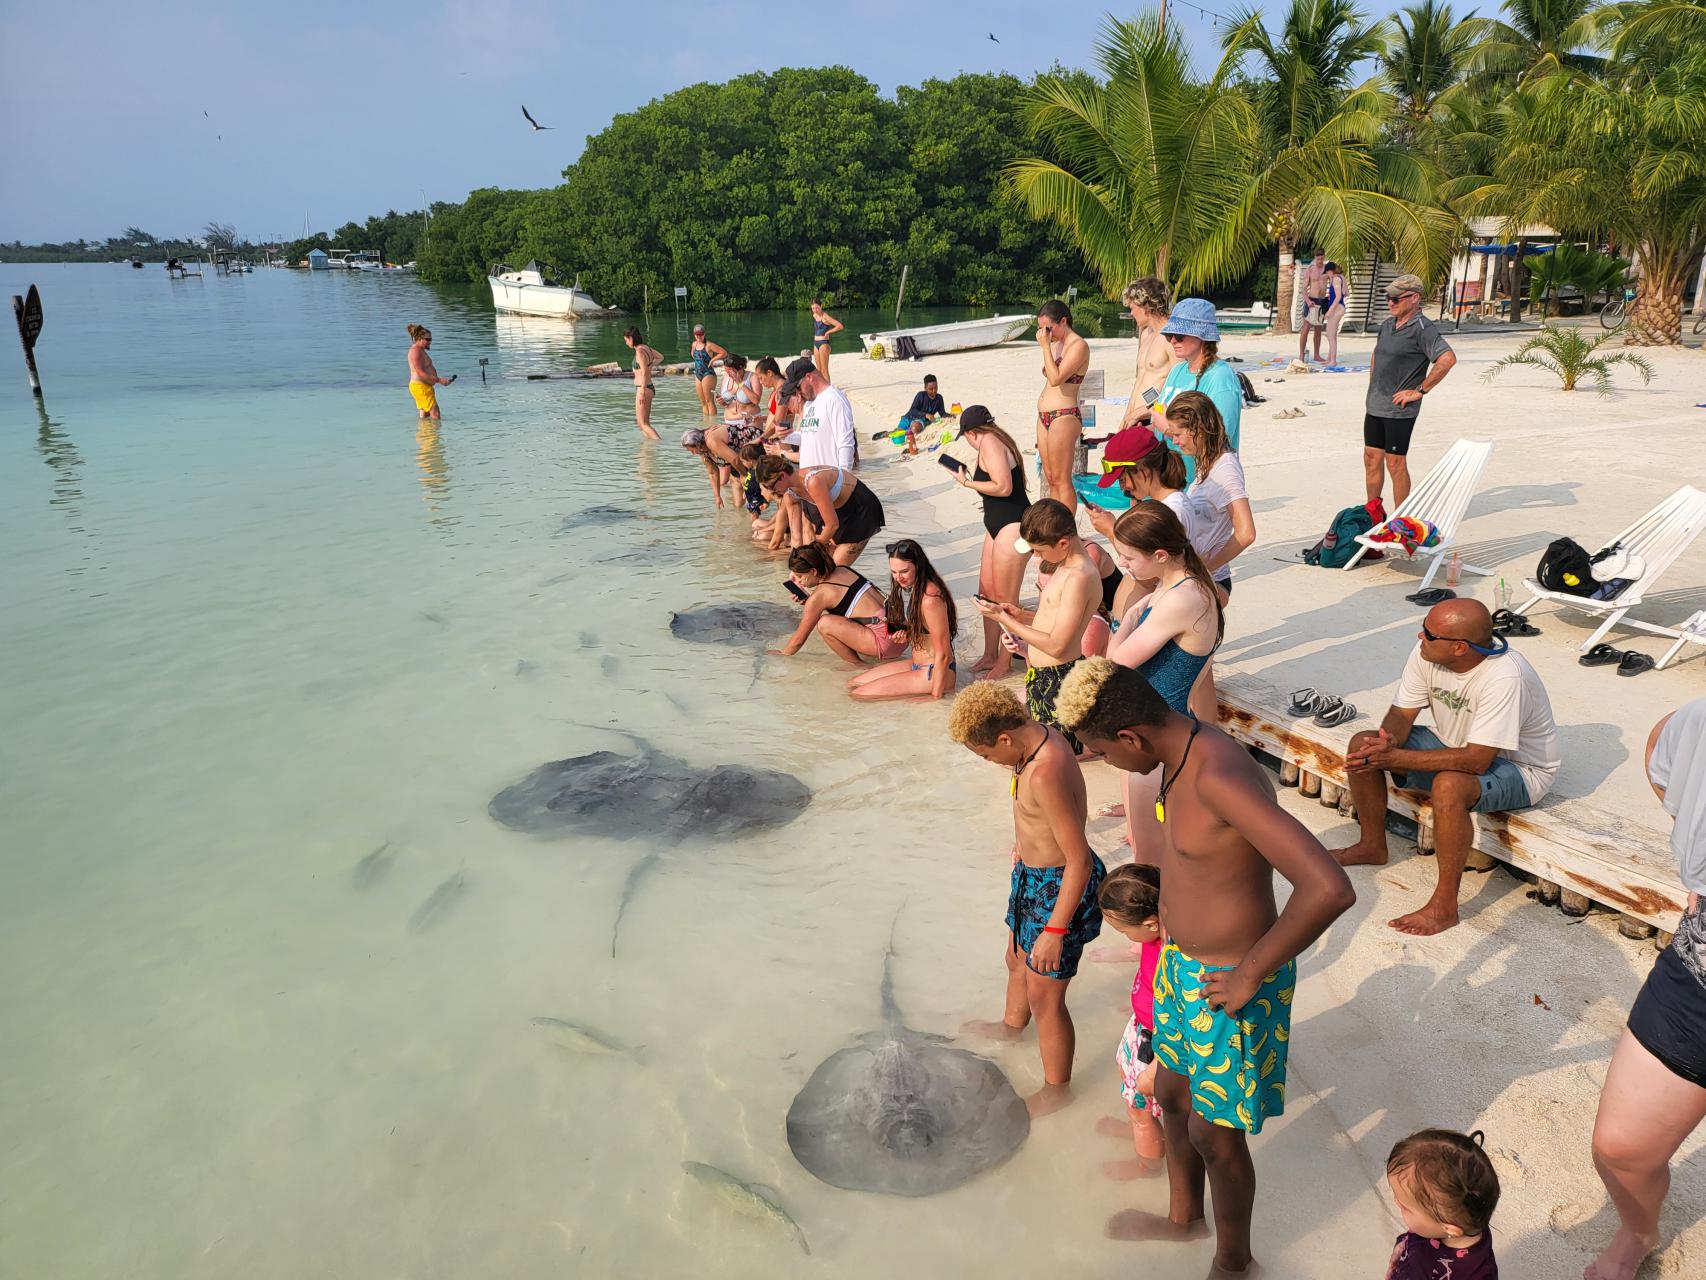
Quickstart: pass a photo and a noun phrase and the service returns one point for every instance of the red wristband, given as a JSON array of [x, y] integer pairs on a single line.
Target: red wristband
[[1049, 928]]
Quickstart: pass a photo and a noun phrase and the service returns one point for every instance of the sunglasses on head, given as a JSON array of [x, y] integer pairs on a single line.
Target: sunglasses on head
[[908, 551]]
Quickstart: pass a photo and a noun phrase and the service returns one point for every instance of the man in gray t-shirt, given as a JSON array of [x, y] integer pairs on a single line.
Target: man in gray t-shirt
[[1399, 375]]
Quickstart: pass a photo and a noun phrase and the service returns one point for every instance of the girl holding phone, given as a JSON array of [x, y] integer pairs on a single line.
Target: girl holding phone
[[999, 480]]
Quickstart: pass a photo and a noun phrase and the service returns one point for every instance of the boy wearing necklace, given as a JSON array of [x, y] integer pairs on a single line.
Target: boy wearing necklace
[[1051, 903], [1224, 986]]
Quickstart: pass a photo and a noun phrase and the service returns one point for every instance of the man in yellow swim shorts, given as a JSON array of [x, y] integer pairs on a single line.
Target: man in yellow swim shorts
[[423, 377], [1224, 987]]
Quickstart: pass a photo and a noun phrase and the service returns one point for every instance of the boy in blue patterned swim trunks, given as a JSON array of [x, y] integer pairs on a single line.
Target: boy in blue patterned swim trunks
[[1224, 987], [1051, 901]]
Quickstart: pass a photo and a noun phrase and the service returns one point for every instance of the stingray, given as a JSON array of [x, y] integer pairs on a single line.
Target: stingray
[[751, 625], [649, 795], [904, 1113], [599, 515]]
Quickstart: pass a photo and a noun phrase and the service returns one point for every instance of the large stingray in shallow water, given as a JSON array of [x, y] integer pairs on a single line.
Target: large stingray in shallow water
[[753, 624], [648, 795], [905, 1113]]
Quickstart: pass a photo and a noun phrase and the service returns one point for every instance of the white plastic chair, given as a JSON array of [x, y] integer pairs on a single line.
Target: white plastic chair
[[1441, 499], [1658, 537]]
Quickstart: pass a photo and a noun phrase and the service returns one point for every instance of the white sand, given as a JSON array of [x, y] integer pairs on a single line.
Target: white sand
[[1507, 1022]]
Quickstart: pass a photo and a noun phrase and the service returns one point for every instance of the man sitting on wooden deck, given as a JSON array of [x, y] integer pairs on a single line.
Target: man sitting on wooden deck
[[1493, 747]]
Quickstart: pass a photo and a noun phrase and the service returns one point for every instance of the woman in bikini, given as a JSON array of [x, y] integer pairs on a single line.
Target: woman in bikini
[[836, 503], [1066, 356], [1150, 303], [703, 352], [840, 604], [824, 326], [1169, 636], [743, 418], [919, 605], [647, 360], [999, 479]]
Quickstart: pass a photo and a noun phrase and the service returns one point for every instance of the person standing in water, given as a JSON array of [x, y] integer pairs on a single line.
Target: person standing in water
[[1052, 911], [824, 326], [423, 377], [1228, 971], [1066, 356], [647, 360], [703, 352]]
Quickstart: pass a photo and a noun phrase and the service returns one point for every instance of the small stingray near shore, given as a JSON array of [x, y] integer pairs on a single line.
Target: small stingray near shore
[[649, 795], [589, 517], [750, 625], [903, 1112]]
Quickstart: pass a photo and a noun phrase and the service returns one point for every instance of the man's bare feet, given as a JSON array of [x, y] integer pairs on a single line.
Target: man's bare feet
[[1136, 1167], [1115, 810], [1622, 1258], [1113, 1127], [983, 664], [1426, 922], [991, 1030], [1048, 1099], [1361, 855], [1135, 1224]]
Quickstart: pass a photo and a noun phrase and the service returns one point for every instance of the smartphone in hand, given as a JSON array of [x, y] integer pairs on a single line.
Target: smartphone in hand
[[450, 379], [795, 590], [951, 463]]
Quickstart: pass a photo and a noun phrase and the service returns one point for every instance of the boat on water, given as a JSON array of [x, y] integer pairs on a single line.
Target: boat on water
[[527, 293], [1259, 315], [936, 339]]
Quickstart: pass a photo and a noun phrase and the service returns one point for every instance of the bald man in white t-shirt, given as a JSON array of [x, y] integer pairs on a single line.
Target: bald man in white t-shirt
[[1492, 747]]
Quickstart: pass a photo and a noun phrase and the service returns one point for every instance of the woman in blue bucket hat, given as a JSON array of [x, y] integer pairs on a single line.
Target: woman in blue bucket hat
[[1195, 339]]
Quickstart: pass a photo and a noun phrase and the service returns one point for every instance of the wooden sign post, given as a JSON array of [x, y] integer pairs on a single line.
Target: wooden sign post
[[28, 312]]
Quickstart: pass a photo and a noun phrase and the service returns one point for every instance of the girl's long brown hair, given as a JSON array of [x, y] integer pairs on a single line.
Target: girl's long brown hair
[[1011, 447], [1152, 526], [1196, 412], [903, 611]]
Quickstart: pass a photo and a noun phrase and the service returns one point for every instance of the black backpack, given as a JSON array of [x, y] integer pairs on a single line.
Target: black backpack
[[1566, 566]]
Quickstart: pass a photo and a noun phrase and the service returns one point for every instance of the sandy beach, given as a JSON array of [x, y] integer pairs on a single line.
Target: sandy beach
[[1505, 1023]]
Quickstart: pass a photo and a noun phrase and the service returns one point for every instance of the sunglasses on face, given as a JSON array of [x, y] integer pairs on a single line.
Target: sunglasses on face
[[1447, 639]]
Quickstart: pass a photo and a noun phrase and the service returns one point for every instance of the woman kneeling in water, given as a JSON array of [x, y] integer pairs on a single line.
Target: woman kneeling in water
[[834, 501], [920, 605], [843, 606]]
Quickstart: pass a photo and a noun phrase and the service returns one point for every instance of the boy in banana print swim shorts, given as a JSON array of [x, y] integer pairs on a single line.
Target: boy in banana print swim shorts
[[1224, 987]]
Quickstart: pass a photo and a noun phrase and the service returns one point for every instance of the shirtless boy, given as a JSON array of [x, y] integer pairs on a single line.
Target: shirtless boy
[[1223, 990], [1051, 904], [647, 361], [1055, 629]]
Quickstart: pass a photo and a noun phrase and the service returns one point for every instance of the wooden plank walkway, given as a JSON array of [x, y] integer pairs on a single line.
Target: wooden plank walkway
[[1578, 854]]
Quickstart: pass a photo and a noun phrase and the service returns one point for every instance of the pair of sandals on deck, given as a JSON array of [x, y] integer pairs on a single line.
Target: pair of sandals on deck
[[1628, 661], [1328, 710]]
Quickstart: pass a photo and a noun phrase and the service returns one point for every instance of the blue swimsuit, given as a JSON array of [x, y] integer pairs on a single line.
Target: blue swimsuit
[[1171, 671]]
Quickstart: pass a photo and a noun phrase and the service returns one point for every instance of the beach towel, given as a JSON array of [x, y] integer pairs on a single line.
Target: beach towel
[[1408, 532]]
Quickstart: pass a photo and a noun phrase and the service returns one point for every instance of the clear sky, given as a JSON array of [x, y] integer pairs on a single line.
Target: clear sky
[[171, 114]]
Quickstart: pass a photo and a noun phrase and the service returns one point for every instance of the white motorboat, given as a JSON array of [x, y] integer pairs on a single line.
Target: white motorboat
[[936, 339], [526, 293]]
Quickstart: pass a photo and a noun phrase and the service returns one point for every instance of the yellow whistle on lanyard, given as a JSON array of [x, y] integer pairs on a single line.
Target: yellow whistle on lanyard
[[1160, 812], [1013, 787]]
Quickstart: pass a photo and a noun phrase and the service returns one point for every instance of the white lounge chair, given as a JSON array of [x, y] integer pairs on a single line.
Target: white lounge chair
[[1658, 537], [1441, 499]]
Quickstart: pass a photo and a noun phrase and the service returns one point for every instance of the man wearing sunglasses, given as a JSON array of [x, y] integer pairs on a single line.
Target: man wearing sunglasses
[[1410, 357], [1492, 747]]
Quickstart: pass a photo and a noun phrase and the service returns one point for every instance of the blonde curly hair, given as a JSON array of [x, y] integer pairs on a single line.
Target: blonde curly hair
[[1101, 697], [985, 711]]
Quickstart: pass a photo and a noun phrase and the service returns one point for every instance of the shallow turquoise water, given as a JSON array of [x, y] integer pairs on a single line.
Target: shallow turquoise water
[[258, 622]]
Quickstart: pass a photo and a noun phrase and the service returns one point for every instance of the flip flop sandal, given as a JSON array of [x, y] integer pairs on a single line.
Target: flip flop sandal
[[1314, 404], [1306, 702], [1601, 655], [1504, 620], [1634, 664], [1432, 596], [1338, 712], [1522, 627]]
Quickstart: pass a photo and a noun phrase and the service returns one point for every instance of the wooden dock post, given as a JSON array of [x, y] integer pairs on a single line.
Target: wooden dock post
[[1572, 903], [27, 311], [1425, 839], [1309, 784], [1288, 773], [1631, 927], [1332, 794], [1546, 892]]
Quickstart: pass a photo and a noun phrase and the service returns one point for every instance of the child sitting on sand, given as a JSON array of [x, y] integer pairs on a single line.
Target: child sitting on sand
[[1446, 1189], [1130, 899]]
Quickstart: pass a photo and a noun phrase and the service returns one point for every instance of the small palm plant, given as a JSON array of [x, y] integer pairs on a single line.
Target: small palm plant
[[1570, 355]]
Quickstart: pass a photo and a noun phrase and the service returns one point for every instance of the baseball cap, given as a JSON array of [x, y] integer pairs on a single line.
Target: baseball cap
[[698, 328], [791, 376], [1132, 445], [975, 416]]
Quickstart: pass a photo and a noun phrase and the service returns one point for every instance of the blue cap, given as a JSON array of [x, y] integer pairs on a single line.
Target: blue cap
[[1193, 318]]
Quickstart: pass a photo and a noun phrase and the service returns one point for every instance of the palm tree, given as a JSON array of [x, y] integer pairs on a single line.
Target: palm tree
[[1569, 354], [1327, 175], [1618, 159], [1425, 62], [1146, 171], [1539, 38]]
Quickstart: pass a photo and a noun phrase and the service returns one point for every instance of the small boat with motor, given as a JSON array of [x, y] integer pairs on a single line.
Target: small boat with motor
[[937, 339]]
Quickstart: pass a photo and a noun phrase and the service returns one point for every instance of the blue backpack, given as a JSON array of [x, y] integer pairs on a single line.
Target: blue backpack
[[1335, 550]]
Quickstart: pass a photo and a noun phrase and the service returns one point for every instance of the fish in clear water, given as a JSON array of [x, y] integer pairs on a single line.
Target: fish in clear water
[[904, 1113], [607, 664], [438, 618], [750, 1199], [433, 909], [371, 869], [587, 640], [524, 668], [583, 1039]]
